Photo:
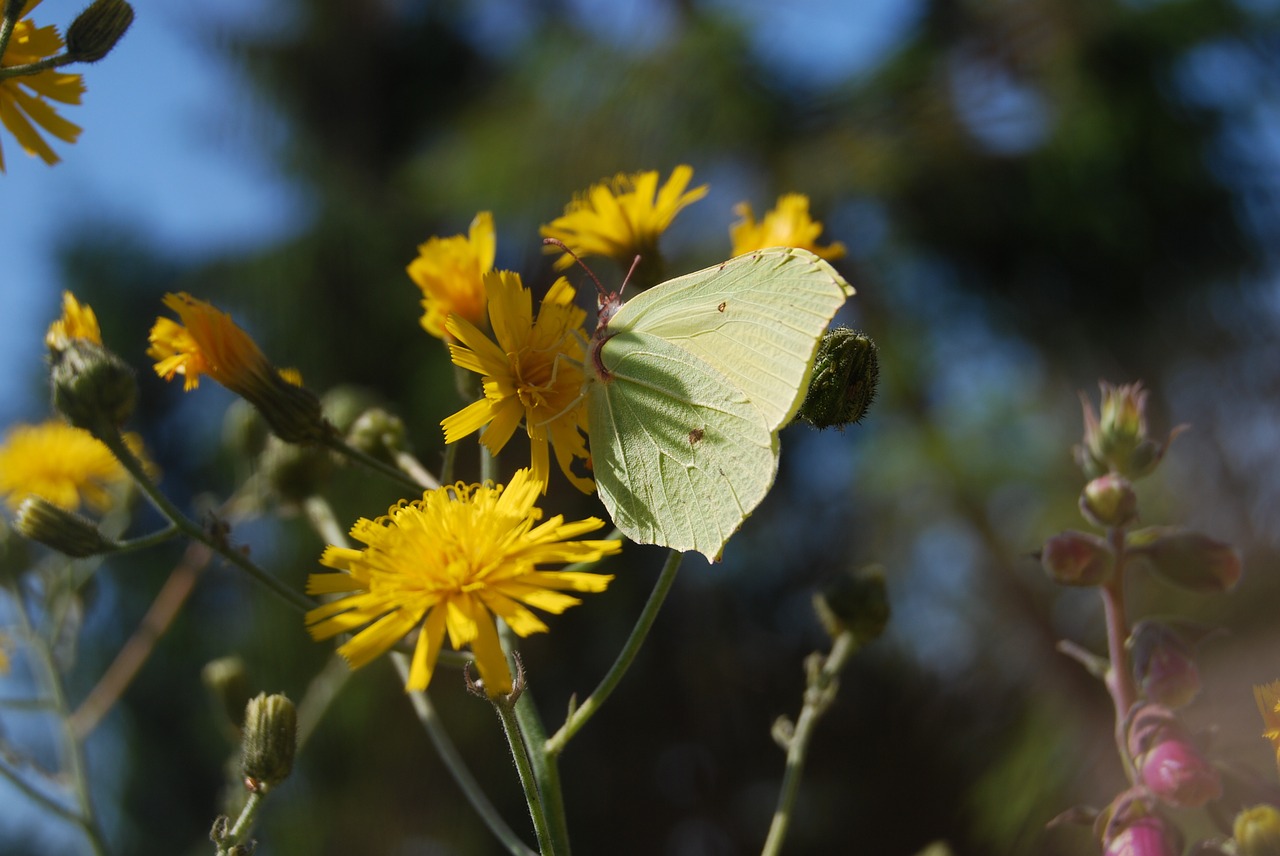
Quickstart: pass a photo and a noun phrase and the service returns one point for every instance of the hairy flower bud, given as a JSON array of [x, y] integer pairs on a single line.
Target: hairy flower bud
[[64, 531], [96, 30], [294, 472], [91, 385], [378, 433], [855, 601], [846, 372], [270, 741], [1188, 559], [1164, 665], [1109, 501], [1257, 831], [1077, 559]]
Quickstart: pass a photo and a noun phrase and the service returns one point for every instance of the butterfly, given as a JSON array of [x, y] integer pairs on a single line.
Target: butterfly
[[689, 384]]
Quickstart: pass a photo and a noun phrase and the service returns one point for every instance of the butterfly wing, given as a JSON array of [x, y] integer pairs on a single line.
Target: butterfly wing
[[680, 456], [757, 319]]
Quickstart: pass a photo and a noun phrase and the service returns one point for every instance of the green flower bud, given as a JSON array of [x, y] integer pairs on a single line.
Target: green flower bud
[[1078, 559], [91, 385], [855, 601], [96, 30], [1257, 831], [1108, 501], [295, 472], [1187, 559], [270, 741], [343, 405], [379, 434], [846, 372], [1117, 441], [64, 531], [228, 682]]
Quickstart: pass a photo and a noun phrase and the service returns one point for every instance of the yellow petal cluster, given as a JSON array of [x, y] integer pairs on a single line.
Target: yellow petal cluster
[[622, 218], [25, 107], [65, 465], [453, 561], [78, 321], [450, 272], [1268, 699], [788, 224], [533, 374]]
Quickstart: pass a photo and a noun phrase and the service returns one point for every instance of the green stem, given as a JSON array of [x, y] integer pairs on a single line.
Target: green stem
[[7, 23], [457, 767], [1119, 678], [243, 824], [340, 446], [30, 68], [450, 460], [520, 754], [142, 542], [580, 716], [110, 437], [56, 693], [817, 700]]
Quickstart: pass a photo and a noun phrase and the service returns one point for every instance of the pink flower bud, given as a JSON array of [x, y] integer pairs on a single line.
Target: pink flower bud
[[1149, 835], [1188, 559], [1176, 772], [1164, 666], [1077, 559]]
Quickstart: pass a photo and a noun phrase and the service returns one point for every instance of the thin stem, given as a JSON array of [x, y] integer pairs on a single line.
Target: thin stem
[[110, 437], [36, 67], [319, 514], [142, 542], [243, 823], [340, 446], [583, 713], [524, 768], [127, 663], [1119, 679], [457, 767], [12, 12], [450, 460], [818, 696], [320, 693], [416, 470]]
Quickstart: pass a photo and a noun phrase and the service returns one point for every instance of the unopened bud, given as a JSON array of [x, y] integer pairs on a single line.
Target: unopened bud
[[295, 472], [1257, 831], [344, 403], [1164, 665], [857, 602], [1118, 441], [1149, 835], [91, 385], [96, 30], [229, 684], [1077, 559], [378, 433], [846, 372], [1109, 501], [1169, 764], [270, 741], [1188, 559], [63, 530]]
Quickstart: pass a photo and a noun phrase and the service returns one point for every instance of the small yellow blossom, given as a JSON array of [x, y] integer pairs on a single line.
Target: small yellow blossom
[[450, 272], [786, 225], [534, 374], [24, 99], [63, 464], [452, 561], [1268, 698], [209, 343], [78, 321], [622, 218]]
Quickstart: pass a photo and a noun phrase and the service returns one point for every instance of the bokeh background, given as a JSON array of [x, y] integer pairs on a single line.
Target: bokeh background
[[1035, 195]]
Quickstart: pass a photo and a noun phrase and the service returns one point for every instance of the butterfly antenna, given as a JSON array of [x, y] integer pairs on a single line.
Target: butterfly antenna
[[556, 242], [635, 263]]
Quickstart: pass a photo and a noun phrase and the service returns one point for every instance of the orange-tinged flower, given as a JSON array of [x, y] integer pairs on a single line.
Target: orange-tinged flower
[[1268, 698], [452, 561], [622, 218], [25, 106], [65, 465], [450, 272], [209, 343], [532, 374], [787, 225], [78, 321]]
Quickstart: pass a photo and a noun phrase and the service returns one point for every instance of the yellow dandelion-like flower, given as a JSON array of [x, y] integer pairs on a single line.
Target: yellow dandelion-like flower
[[450, 272], [533, 373], [63, 464], [453, 561], [24, 99], [1268, 698], [622, 218], [786, 225], [209, 343], [78, 321]]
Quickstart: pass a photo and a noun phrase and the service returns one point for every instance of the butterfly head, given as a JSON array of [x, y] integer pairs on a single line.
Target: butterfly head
[[608, 302]]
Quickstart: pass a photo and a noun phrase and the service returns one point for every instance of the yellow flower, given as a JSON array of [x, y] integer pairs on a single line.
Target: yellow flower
[[63, 464], [77, 322], [622, 218], [787, 225], [533, 373], [24, 100], [209, 343], [452, 561], [1268, 698], [450, 272]]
